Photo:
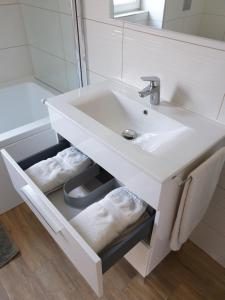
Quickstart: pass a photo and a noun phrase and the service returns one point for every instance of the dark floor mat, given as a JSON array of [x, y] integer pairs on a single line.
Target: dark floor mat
[[8, 250]]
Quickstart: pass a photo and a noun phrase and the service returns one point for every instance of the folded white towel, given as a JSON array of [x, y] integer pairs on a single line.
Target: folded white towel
[[196, 198], [105, 220], [53, 172]]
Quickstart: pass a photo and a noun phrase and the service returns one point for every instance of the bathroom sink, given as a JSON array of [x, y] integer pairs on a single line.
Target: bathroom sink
[[118, 113], [166, 138]]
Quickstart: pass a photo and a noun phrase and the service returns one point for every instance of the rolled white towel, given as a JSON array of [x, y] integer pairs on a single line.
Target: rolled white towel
[[103, 221], [53, 172]]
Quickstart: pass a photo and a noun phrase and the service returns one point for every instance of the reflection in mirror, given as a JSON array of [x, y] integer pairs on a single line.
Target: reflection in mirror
[[204, 18]]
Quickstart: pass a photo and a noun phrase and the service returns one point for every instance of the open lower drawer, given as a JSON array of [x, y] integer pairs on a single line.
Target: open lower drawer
[[54, 214]]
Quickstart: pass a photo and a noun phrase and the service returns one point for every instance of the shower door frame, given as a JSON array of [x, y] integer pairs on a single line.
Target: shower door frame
[[79, 40]]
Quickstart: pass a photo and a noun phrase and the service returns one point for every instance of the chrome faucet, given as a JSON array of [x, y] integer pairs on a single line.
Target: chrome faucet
[[152, 90]]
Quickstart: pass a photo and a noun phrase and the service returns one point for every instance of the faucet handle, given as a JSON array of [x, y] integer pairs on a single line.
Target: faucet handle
[[154, 80]]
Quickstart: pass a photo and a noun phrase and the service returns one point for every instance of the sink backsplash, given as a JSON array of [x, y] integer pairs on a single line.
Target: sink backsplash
[[187, 80]]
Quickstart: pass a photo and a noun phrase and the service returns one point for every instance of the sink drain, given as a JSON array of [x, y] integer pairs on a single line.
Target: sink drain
[[129, 134]]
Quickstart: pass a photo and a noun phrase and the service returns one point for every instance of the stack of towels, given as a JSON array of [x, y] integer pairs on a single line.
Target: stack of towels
[[52, 173], [102, 222]]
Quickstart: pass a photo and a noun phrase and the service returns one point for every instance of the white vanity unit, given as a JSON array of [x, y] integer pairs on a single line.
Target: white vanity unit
[[92, 119]]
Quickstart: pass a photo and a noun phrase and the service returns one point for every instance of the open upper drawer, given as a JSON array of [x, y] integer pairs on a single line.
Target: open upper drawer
[[55, 216]]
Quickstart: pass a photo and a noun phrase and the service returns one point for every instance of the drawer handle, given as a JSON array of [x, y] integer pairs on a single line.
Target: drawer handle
[[44, 214]]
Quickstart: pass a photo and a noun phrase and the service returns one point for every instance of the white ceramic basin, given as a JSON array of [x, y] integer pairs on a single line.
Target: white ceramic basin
[[117, 112], [169, 138]]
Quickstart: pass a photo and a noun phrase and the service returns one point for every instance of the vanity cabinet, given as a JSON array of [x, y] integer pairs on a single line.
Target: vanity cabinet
[[154, 177], [55, 215], [144, 255]]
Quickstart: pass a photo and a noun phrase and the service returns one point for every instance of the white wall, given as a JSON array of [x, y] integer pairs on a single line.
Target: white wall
[[184, 21], [213, 20], [49, 28], [210, 234], [205, 18], [193, 76], [36, 38], [14, 55]]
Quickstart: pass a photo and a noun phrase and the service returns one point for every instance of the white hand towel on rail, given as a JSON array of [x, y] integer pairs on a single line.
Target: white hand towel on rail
[[197, 194], [105, 220], [53, 172]]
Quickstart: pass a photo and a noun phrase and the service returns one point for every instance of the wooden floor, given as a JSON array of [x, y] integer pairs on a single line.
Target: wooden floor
[[43, 272]]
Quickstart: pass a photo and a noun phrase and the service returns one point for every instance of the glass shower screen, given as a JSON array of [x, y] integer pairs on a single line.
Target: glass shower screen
[[54, 37]]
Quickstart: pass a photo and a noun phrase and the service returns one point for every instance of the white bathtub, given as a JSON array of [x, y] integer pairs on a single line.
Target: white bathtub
[[21, 110], [24, 128]]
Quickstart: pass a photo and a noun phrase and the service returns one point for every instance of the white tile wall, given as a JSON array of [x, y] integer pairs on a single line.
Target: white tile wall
[[192, 76], [184, 21], [181, 68], [47, 4], [215, 212], [219, 197], [191, 24], [49, 69], [205, 18], [174, 9], [216, 7], [72, 76], [15, 59], [104, 48], [15, 63], [50, 35], [43, 29], [95, 78], [175, 25], [67, 36], [221, 116], [213, 26], [49, 29], [187, 79], [100, 10], [11, 27], [8, 2], [65, 6], [210, 234], [210, 241], [213, 21]]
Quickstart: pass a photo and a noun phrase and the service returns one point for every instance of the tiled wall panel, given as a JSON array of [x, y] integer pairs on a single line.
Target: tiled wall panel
[[15, 59], [49, 28]]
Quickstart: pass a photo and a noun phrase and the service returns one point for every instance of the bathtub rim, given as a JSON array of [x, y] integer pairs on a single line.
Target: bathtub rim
[[24, 131], [29, 79]]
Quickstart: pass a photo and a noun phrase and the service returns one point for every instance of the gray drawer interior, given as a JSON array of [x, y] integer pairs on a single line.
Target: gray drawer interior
[[142, 231]]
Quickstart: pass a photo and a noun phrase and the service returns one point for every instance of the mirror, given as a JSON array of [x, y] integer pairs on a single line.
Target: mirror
[[205, 18]]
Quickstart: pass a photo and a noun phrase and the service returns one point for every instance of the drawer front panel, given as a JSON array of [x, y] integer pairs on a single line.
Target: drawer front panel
[[82, 256], [87, 262]]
